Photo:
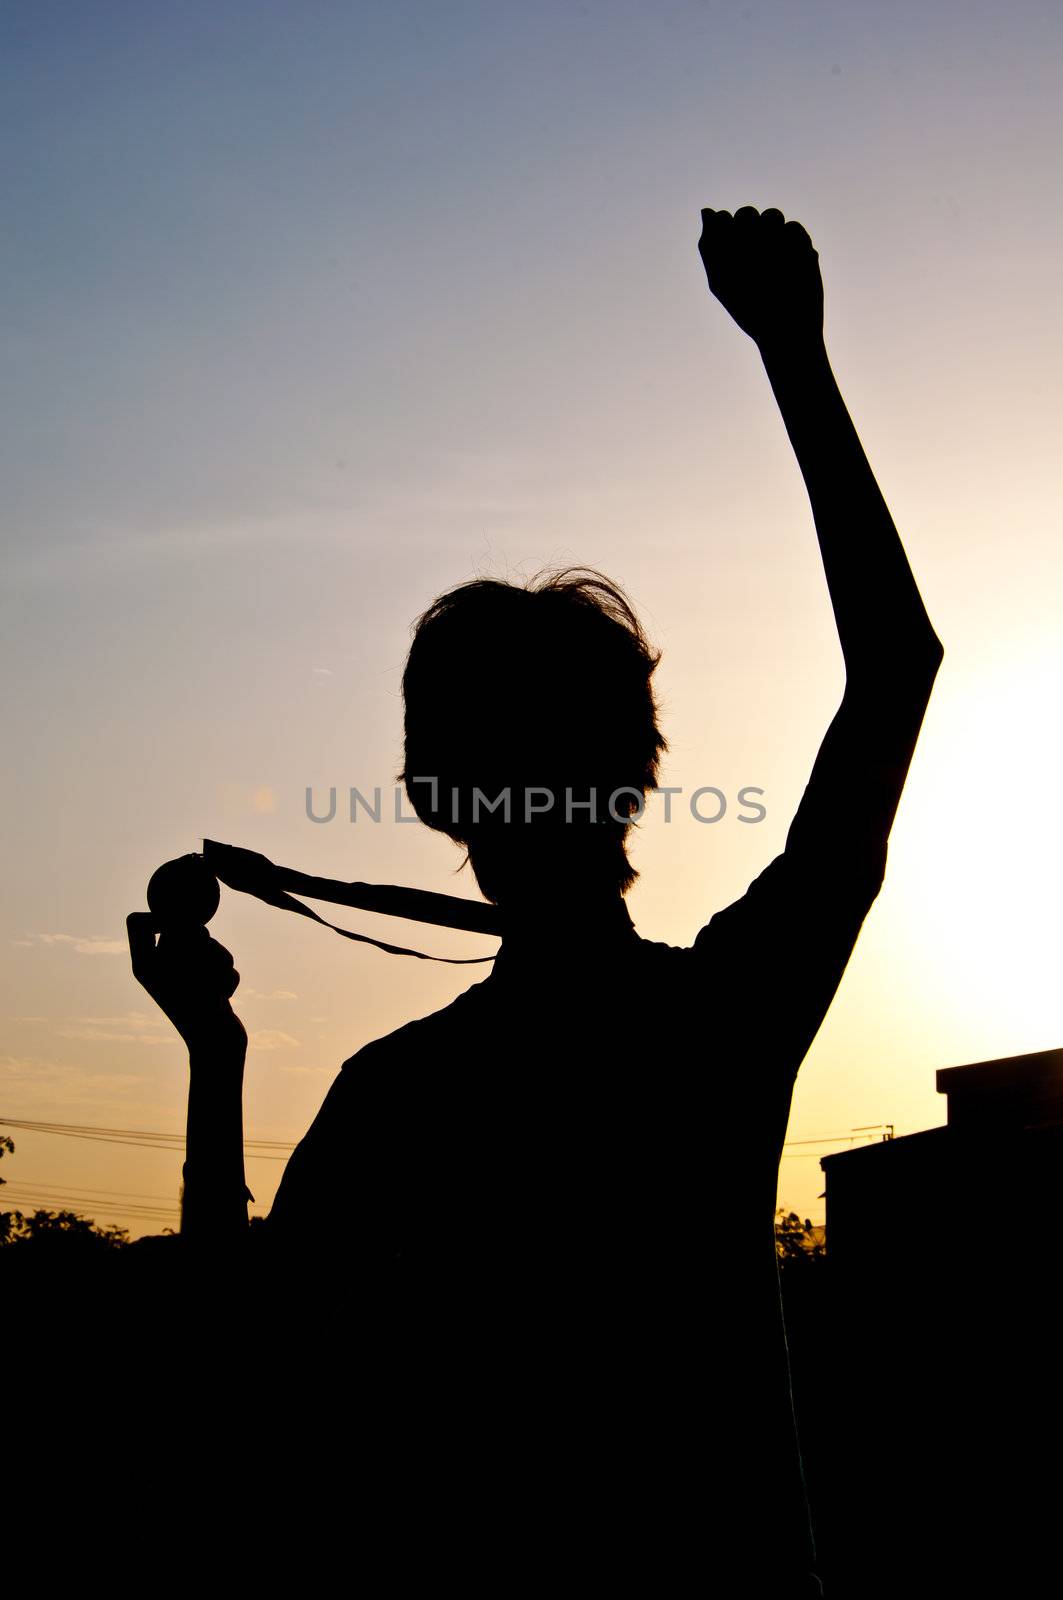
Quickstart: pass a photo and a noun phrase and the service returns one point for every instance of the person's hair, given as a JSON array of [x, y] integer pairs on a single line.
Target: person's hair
[[544, 685]]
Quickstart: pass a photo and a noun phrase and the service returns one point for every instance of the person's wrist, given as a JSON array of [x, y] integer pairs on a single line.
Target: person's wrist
[[217, 1052], [207, 1180], [787, 347]]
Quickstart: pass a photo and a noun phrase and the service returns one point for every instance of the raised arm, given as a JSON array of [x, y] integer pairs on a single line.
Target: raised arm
[[765, 271], [193, 980]]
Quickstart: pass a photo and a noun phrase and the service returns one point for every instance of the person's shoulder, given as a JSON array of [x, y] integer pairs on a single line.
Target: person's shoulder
[[723, 936], [421, 1034], [798, 894], [754, 903]]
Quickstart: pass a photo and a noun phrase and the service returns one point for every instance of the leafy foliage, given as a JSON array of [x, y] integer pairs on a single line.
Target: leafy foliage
[[53, 1230], [797, 1242]]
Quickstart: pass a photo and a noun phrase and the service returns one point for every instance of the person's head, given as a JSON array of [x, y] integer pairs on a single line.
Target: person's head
[[539, 692]]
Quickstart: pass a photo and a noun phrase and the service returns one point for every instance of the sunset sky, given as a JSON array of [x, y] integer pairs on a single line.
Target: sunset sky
[[314, 310]]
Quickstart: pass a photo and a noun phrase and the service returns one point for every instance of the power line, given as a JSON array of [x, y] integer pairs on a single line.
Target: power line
[[152, 1207], [133, 1133], [28, 1203], [18, 1189], [842, 1138], [259, 1147], [863, 1135], [114, 1202], [141, 1139], [29, 1199], [107, 1194]]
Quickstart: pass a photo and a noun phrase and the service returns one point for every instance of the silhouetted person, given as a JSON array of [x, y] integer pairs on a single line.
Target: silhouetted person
[[584, 1146]]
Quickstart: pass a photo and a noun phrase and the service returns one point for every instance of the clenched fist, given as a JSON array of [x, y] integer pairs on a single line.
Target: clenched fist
[[764, 270], [191, 978]]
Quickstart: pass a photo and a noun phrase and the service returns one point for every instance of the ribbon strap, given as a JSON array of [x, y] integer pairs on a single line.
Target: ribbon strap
[[255, 874]]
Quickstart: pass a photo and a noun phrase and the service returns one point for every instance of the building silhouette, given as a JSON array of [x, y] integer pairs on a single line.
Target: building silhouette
[[943, 1347]]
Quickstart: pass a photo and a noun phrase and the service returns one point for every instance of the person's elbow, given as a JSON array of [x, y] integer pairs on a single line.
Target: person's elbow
[[894, 684], [916, 660], [927, 654], [932, 647], [907, 694]]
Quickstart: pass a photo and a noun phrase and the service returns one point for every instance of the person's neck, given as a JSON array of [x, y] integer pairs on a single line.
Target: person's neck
[[545, 927]]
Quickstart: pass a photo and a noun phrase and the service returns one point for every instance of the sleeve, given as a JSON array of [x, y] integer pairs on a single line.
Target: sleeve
[[778, 953]]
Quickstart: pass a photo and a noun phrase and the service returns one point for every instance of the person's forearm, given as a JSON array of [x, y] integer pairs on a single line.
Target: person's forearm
[[214, 1197], [883, 626]]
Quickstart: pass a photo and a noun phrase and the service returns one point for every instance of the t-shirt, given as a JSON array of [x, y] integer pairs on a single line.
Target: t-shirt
[[582, 1153]]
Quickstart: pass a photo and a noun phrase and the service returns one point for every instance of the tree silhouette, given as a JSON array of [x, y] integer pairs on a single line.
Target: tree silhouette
[[59, 1230], [797, 1242]]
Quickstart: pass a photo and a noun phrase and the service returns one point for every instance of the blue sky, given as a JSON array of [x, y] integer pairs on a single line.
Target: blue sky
[[312, 310]]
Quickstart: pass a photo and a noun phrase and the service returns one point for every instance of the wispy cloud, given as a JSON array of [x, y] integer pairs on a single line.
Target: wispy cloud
[[131, 1027], [267, 994], [127, 1019], [28, 1082], [271, 1039], [94, 944]]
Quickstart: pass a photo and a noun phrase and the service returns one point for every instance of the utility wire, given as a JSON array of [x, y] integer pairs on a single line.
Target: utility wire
[[141, 1139], [132, 1133], [258, 1148], [29, 1192]]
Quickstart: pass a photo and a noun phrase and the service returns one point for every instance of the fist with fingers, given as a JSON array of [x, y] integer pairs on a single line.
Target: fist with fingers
[[191, 978], [765, 272]]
